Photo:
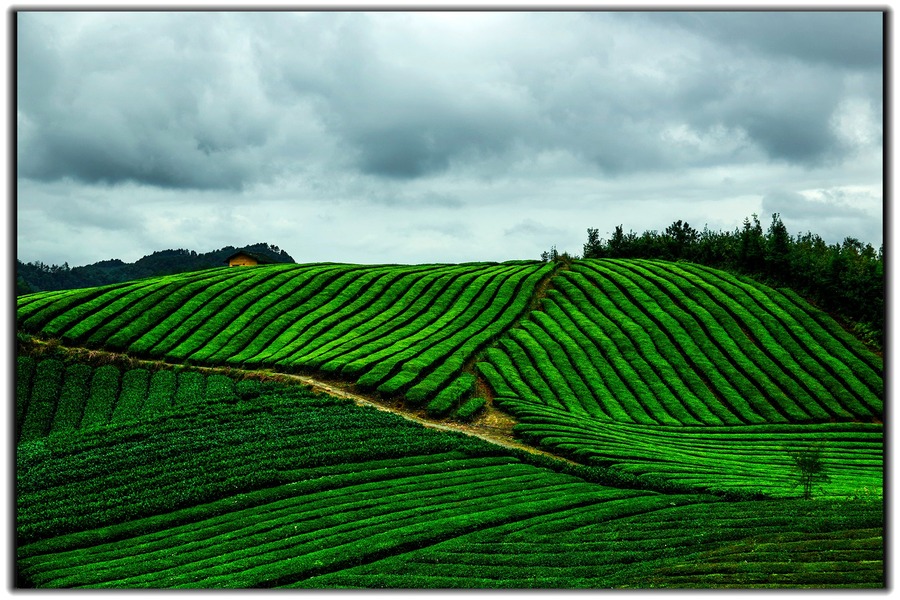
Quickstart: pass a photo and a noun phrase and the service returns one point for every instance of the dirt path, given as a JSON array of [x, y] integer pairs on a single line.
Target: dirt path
[[492, 425]]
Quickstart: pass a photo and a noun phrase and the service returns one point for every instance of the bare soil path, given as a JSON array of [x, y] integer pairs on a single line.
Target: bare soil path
[[492, 425]]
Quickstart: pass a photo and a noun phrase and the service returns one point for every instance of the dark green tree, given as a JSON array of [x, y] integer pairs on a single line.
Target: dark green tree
[[618, 244], [594, 247], [680, 239], [22, 286], [716, 249], [778, 248], [751, 254], [809, 467]]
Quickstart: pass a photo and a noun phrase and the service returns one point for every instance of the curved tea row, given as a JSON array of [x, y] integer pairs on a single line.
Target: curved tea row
[[593, 347], [640, 363], [406, 330], [276, 487]]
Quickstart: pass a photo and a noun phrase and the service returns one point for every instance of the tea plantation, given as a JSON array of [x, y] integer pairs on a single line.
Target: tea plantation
[[262, 485], [693, 374], [678, 392]]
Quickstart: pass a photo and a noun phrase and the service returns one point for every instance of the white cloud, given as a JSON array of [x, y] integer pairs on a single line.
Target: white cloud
[[855, 123]]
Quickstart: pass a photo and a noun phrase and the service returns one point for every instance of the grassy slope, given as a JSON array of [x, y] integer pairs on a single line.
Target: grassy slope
[[403, 330], [395, 329], [282, 488], [677, 371]]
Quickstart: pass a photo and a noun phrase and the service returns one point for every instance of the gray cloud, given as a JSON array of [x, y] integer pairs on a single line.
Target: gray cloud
[[840, 38], [837, 213], [159, 99], [203, 100], [531, 228], [789, 114], [527, 121], [777, 76], [797, 206], [426, 200]]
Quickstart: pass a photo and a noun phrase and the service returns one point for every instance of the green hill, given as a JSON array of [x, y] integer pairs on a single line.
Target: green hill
[[691, 374], [401, 329], [246, 484], [663, 380]]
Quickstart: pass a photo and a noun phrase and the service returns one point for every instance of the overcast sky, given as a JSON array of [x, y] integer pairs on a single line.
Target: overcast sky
[[412, 137]]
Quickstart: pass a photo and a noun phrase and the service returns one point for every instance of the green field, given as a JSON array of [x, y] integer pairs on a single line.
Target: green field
[[267, 485], [677, 390], [399, 329], [691, 374]]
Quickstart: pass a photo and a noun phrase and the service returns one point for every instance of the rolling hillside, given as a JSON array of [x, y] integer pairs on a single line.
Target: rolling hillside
[[599, 361], [691, 374], [681, 391], [187, 480]]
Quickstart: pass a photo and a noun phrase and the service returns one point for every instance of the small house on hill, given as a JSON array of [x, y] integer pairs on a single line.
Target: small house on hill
[[242, 258]]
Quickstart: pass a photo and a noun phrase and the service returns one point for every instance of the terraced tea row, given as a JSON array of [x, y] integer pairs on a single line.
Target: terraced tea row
[[686, 349], [724, 458], [401, 329], [614, 342], [284, 489], [56, 397], [634, 341], [695, 545]]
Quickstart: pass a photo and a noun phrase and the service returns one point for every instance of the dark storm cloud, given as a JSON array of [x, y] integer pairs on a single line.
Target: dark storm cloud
[[151, 98], [800, 135], [400, 115], [777, 76], [226, 101], [83, 152], [789, 111], [410, 150]]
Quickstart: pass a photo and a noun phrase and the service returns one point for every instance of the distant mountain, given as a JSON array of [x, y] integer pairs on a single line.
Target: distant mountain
[[39, 277]]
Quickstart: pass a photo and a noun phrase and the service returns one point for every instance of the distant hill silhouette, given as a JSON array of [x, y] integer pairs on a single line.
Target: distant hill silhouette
[[39, 277]]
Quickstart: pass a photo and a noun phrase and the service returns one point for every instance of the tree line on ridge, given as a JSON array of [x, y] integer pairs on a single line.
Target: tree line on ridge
[[846, 279]]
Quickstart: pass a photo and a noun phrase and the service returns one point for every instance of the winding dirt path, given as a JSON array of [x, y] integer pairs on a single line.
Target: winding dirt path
[[492, 425]]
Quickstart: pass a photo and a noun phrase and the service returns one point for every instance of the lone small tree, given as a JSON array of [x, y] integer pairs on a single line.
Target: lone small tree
[[809, 467]]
